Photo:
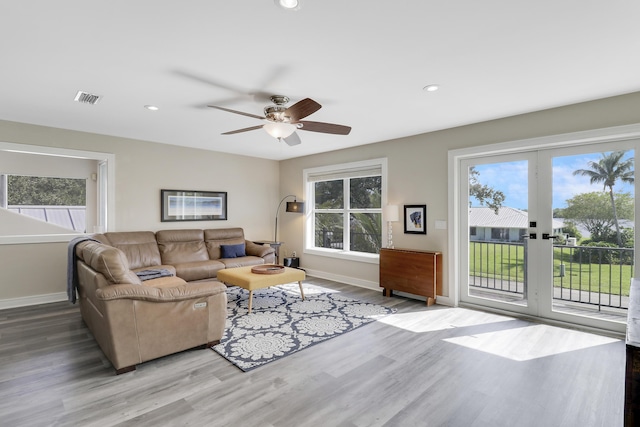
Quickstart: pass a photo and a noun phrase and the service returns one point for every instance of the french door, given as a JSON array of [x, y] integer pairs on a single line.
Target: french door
[[538, 236]]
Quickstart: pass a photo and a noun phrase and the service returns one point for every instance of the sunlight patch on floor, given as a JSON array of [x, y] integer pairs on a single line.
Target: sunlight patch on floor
[[293, 288], [439, 319], [531, 342]]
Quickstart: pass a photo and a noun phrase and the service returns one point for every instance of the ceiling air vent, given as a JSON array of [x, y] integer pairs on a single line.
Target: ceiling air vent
[[87, 98]]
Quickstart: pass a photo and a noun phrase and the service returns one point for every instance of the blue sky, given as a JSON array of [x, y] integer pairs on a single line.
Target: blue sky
[[511, 179]]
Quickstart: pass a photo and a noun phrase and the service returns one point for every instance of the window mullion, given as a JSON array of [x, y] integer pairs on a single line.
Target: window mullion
[[346, 235]]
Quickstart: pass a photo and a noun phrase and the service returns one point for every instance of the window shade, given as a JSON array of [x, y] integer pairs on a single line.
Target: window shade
[[330, 175]]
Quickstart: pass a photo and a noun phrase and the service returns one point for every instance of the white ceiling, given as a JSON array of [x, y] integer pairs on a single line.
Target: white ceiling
[[365, 61]]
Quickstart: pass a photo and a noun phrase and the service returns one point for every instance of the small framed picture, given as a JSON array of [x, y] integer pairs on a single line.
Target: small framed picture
[[415, 219]]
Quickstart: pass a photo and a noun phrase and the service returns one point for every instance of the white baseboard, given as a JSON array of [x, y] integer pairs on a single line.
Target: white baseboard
[[372, 285], [32, 300], [344, 279]]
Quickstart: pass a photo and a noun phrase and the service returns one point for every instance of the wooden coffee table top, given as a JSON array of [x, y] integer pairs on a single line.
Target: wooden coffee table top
[[243, 277]]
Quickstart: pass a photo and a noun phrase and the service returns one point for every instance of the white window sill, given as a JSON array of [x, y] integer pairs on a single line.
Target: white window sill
[[345, 255], [38, 238]]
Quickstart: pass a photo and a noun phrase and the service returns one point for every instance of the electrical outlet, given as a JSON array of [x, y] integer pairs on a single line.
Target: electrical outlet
[[293, 254]]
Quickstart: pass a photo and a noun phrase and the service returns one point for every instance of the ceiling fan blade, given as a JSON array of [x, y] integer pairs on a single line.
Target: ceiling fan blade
[[302, 109], [236, 112], [210, 81], [231, 132], [255, 95], [325, 127], [293, 139]]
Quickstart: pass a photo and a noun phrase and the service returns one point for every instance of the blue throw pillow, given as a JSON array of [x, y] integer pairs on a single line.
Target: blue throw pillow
[[232, 251]]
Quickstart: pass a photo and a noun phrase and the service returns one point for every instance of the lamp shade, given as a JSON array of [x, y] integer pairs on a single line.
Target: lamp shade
[[295, 207], [391, 213], [279, 130]]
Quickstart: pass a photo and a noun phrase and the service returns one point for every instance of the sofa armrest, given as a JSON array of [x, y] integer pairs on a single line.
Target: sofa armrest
[[254, 249], [165, 294]]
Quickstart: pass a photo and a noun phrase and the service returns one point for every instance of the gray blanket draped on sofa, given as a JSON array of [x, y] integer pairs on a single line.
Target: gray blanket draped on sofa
[[72, 271]]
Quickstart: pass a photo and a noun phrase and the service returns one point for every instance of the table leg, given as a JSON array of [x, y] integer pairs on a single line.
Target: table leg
[[301, 291], [250, 300]]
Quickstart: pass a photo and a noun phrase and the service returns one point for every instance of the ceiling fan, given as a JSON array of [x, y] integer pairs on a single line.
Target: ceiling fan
[[282, 122]]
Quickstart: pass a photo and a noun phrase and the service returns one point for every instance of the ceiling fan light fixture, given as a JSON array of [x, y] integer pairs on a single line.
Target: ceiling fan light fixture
[[279, 130], [288, 4]]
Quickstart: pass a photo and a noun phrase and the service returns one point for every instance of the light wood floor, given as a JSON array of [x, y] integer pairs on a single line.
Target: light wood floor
[[435, 366]]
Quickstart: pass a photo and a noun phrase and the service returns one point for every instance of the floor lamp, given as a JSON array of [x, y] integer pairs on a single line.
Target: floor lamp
[[390, 215], [294, 206]]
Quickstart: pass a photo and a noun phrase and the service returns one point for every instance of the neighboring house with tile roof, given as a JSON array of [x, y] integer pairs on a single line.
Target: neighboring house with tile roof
[[508, 225], [70, 217]]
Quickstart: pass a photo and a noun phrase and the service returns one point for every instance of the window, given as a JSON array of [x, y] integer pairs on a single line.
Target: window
[[87, 179], [59, 201], [346, 208], [473, 231], [499, 233]]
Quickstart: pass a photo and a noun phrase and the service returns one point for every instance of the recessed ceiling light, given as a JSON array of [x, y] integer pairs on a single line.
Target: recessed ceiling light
[[288, 4], [151, 107], [431, 88]]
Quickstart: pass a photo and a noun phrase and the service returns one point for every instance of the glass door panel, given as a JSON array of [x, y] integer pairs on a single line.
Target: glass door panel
[[497, 231], [593, 200]]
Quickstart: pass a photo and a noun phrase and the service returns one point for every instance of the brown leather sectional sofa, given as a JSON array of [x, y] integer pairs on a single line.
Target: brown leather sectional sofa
[[136, 320]]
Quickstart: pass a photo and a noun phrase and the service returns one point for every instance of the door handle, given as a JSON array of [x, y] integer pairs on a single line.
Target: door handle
[[547, 236]]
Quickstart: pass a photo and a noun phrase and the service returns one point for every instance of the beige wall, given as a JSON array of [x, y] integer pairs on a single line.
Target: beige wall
[[32, 272], [142, 169], [417, 173]]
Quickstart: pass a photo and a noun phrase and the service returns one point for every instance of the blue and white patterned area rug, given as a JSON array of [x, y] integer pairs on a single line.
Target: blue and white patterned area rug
[[281, 323]]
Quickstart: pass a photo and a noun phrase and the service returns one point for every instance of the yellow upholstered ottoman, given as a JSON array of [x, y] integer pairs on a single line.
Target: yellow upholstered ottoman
[[244, 278]]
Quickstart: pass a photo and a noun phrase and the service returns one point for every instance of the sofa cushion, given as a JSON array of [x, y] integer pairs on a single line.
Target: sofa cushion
[[109, 261], [232, 251], [181, 246], [140, 247], [180, 291], [241, 261], [198, 270], [222, 234], [216, 237], [259, 250], [165, 282]]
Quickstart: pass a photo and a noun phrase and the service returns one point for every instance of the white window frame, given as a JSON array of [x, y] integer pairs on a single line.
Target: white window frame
[[456, 234], [342, 171], [106, 189]]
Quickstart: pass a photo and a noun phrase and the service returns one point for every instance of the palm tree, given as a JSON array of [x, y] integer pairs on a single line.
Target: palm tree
[[608, 170]]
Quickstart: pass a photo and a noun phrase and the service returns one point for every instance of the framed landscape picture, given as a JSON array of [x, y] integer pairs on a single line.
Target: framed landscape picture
[[183, 205], [415, 219]]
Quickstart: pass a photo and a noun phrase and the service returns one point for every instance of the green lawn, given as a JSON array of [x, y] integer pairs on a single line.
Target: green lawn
[[496, 260], [506, 262]]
